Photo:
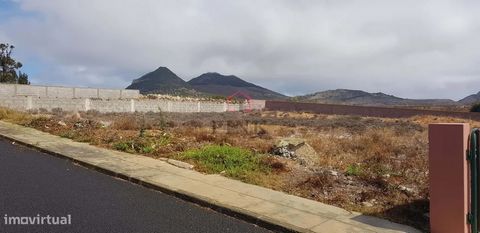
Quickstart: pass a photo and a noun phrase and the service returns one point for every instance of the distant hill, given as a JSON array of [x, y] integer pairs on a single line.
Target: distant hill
[[471, 99], [357, 97], [225, 85], [162, 81]]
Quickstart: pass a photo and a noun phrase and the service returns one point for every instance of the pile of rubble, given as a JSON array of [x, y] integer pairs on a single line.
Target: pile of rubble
[[295, 149]]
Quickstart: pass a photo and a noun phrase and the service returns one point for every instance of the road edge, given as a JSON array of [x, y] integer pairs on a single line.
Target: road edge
[[189, 197]]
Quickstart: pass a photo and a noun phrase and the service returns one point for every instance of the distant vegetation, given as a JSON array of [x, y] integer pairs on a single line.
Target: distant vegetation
[[9, 68], [475, 107]]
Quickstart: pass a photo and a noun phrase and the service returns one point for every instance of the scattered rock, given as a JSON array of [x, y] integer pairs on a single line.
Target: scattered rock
[[105, 124], [334, 173], [62, 123], [344, 136], [76, 116], [367, 204], [180, 164], [79, 125], [406, 189]]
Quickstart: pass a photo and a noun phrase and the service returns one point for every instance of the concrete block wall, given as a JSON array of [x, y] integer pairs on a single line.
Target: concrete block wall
[[187, 106], [17, 103], [85, 93], [129, 94], [111, 105], [7, 90], [109, 94], [51, 103], [28, 90], [30, 97], [60, 92], [149, 105], [115, 105], [213, 107], [65, 92]]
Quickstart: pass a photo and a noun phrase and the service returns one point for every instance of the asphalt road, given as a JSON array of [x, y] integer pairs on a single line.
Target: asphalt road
[[34, 184]]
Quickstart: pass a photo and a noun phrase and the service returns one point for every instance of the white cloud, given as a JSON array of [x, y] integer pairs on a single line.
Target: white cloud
[[408, 48]]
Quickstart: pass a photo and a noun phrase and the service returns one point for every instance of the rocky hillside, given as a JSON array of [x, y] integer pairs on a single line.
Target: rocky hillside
[[471, 99], [162, 81], [225, 85], [357, 97]]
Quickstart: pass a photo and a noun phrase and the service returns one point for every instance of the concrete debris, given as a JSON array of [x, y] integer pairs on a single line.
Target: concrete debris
[[105, 124], [296, 149], [367, 204], [406, 189], [334, 173], [79, 125], [180, 164]]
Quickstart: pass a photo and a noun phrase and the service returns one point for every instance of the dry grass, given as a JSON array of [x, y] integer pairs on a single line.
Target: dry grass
[[360, 159], [15, 116]]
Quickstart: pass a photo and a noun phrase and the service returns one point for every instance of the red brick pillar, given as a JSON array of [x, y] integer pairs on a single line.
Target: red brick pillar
[[448, 177]]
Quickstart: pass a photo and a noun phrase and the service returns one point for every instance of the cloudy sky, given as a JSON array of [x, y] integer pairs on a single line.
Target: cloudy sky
[[409, 48]]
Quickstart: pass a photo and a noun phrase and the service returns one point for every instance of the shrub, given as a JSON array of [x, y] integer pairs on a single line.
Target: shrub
[[475, 107], [147, 149], [122, 146], [57, 111], [126, 123], [320, 180], [15, 116], [354, 170], [234, 161]]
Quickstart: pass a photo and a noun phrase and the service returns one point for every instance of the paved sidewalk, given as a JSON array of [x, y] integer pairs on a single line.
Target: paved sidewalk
[[249, 201]]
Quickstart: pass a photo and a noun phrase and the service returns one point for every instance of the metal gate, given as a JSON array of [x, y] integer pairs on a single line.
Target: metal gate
[[473, 157]]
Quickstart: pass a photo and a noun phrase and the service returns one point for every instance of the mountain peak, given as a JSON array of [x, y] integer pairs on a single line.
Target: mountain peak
[[213, 78], [225, 85], [162, 68], [162, 80]]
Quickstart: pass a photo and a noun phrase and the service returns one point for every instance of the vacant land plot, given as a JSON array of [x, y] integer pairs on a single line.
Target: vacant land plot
[[376, 166]]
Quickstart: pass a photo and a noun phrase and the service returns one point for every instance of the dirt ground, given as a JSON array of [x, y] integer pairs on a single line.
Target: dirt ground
[[376, 166]]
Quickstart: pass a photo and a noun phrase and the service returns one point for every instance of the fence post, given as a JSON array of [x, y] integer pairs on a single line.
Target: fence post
[[448, 174], [132, 105], [29, 103], [87, 104]]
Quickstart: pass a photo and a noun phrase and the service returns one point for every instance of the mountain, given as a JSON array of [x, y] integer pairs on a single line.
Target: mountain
[[471, 99], [162, 81], [225, 85], [357, 97]]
